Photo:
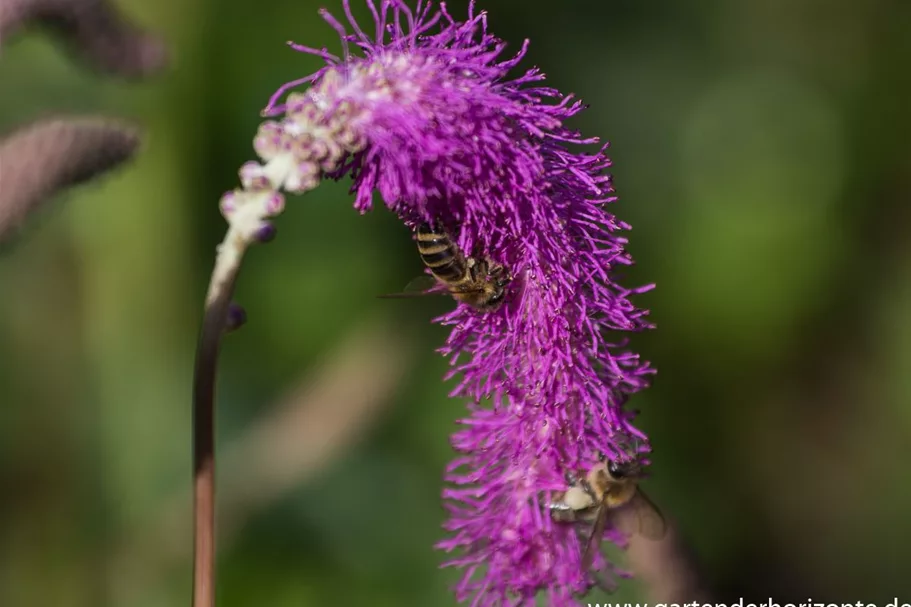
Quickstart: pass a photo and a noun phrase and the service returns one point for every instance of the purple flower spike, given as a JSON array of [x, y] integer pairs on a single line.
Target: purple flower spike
[[429, 115]]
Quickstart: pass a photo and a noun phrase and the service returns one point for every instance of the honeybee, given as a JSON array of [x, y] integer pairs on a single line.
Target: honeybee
[[479, 283], [608, 492]]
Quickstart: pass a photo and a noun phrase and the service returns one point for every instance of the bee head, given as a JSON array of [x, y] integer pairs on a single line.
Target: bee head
[[496, 280], [623, 469]]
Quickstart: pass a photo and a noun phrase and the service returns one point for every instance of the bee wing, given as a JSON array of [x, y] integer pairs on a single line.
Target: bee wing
[[652, 525], [625, 518], [639, 516], [594, 539], [419, 287]]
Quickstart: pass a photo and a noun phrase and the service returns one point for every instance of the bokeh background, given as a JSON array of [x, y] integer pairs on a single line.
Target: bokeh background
[[761, 154]]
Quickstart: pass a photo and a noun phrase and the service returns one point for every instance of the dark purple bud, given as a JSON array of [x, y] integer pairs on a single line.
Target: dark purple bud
[[266, 232], [236, 317]]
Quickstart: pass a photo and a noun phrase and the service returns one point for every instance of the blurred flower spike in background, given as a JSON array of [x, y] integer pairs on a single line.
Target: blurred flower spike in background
[[432, 119]]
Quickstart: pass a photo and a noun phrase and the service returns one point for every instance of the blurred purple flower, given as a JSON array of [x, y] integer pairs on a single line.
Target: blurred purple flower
[[429, 118]]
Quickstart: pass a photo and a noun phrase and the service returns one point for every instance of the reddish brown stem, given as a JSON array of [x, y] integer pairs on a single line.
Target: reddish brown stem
[[213, 327]]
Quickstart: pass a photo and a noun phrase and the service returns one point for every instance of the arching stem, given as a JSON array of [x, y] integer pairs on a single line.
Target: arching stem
[[218, 300]]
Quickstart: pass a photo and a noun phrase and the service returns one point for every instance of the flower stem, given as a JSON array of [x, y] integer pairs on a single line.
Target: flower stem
[[221, 288]]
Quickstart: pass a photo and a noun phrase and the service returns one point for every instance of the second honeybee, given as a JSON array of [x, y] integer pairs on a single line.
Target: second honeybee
[[609, 492]]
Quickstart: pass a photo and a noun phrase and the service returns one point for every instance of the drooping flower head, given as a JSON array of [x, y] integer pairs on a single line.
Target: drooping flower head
[[427, 112]]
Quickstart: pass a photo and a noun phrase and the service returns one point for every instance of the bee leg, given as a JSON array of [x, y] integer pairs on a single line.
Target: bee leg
[[478, 269], [558, 507], [499, 275], [561, 513]]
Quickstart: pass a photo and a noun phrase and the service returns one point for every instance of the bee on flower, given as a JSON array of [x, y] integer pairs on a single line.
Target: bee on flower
[[432, 113]]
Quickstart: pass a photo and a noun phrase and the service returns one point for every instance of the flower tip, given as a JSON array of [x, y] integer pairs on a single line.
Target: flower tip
[[228, 203]]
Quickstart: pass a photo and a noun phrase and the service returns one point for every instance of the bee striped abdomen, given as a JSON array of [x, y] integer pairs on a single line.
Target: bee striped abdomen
[[438, 253]]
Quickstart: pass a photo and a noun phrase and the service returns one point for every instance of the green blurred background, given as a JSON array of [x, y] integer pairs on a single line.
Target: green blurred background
[[761, 154]]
